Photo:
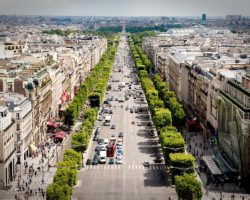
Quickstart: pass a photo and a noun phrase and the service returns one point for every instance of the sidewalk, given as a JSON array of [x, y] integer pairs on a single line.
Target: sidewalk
[[195, 145], [35, 177]]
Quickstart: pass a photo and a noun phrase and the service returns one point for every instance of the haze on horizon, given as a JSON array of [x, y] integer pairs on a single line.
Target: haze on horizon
[[125, 7]]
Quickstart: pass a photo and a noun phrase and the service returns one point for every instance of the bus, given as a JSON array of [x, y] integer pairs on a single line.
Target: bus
[[111, 148], [107, 121]]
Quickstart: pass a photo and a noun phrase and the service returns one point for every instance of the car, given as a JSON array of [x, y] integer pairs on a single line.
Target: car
[[119, 155], [120, 134], [100, 118], [136, 110], [88, 162], [151, 133], [120, 151], [131, 110], [138, 123], [95, 160], [158, 159], [112, 138], [100, 141], [113, 126], [132, 122], [96, 138], [149, 123], [97, 148], [119, 146], [110, 112], [146, 163], [119, 142], [111, 161], [106, 141], [119, 160]]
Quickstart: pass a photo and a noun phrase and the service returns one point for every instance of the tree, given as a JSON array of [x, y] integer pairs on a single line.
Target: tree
[[188, 187], [68, 117], [72, 155], [181, 163], [56, 191], [172, 142], [162, 117]]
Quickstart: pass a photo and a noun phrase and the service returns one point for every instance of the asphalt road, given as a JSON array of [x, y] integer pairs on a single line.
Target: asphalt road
[[130, 180]]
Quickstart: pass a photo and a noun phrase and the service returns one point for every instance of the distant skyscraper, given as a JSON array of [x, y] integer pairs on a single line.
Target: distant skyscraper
[[204, 17]]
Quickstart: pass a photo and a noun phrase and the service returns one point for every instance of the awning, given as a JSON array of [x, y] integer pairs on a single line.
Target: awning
[[33, 147], [224, 166], [213, 168], [60, 134], [51, 123]]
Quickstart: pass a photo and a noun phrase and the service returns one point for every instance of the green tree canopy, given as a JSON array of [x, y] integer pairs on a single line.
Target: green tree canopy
[[188, 187]]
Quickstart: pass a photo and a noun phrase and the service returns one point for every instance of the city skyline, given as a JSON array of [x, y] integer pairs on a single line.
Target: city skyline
[[125, 8]]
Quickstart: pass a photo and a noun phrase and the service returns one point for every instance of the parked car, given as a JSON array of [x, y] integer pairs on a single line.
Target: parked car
[[95, 159], [111, 161], [121, 134], [96, 138], [119, 160], [113, 126], [88, 162]]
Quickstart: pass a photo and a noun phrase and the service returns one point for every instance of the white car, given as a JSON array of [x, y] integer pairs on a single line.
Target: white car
[[119, 160], [106, 142]]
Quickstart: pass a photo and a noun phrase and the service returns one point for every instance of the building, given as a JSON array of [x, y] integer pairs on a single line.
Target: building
[[21, 112], [234, 124], [204, 17], [7, 145]]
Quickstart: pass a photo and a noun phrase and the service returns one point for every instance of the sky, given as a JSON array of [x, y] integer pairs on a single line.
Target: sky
[[125, 7]]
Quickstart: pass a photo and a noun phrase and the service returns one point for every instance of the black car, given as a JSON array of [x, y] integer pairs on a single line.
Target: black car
[[88, 162], [95, 159], [96, 138], [158, 159]]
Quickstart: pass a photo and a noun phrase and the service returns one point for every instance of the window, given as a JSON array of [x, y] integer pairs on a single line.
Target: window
[[18, 137], [17, 127]]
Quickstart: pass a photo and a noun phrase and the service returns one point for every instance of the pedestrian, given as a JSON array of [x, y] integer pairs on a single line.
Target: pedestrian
[[35, 173]]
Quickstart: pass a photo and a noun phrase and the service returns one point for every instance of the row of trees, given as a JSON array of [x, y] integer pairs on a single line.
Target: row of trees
[[65, 177], [165, 109], [66, 174], [93, 87], [141, 60], [170, 101]]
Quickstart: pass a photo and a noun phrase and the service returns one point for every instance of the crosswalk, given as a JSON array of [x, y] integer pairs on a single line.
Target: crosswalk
[[129, 167]]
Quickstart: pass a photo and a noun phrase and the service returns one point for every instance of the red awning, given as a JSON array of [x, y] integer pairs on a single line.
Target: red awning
[[50, 123], [60, 134]]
